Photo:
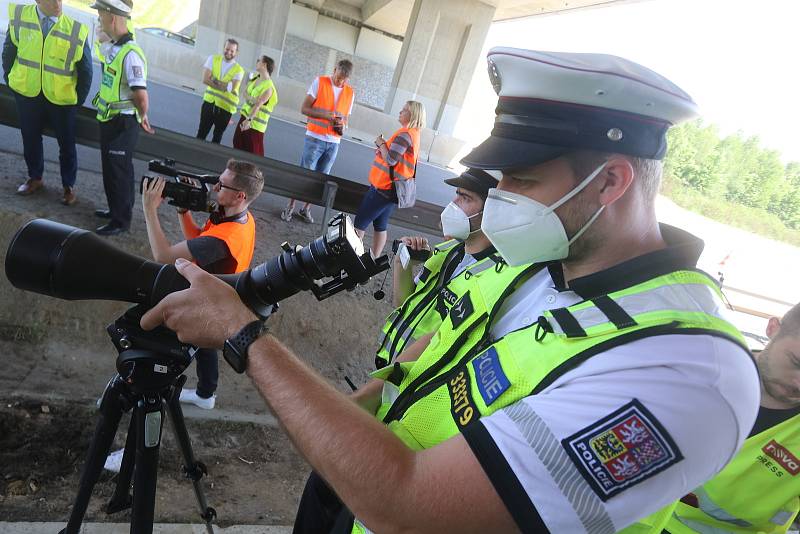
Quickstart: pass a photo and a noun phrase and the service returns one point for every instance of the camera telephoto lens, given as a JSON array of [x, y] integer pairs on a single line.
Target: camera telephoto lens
[[61, 261]]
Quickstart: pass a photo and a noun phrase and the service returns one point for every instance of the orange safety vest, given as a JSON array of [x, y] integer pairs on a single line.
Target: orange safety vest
[[379, 173], [240, 238], [324, 102]]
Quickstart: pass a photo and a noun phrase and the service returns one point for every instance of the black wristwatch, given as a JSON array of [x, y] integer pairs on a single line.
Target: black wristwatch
[[235, 348]]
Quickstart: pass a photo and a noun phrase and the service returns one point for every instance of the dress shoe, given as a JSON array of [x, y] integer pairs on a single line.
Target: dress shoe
[[69, 196], [110, 229], [103, 214], [30, 186]]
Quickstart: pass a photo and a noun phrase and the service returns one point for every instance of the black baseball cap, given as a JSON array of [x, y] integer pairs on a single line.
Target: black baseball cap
[[475, 180]]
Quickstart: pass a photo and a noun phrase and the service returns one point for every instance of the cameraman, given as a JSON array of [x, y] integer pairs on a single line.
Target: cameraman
[[224, 245]]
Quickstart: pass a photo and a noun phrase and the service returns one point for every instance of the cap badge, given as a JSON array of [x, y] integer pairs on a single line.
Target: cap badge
[[494, 76], [615, 134]]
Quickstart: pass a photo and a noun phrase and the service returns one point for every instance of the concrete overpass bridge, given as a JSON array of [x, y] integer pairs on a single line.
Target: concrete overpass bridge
[[424, 50]]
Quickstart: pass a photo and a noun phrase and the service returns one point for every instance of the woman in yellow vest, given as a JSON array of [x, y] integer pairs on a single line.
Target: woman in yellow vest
[[396, 157], [260, 98]]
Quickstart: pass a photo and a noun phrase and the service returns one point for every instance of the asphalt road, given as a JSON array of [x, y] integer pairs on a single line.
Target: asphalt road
[[179, 110]]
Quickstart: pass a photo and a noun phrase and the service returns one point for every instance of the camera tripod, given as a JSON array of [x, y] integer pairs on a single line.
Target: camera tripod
[[149, 379]]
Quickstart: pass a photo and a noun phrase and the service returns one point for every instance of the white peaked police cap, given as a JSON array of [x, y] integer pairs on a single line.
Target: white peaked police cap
[[551, 103], [117, 7]]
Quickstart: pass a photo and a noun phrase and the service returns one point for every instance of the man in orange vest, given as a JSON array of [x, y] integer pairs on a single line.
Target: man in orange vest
[[328, 104], [223, 246]]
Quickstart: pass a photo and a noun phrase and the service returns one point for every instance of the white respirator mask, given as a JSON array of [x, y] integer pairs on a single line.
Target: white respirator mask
[[526, 231], [455, 223]]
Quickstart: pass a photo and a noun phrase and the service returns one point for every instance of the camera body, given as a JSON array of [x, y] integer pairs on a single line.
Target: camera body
[[183, 189]]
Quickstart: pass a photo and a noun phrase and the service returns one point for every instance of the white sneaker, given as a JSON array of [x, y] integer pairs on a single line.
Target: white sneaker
[[189, 396], [286, 215], [306, 215], [114, 461]]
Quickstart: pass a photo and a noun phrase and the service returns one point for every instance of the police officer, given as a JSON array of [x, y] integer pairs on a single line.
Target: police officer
[[422, 302], [759, 491], [121, 103], [48, 65], [592, 390], [224, 245]]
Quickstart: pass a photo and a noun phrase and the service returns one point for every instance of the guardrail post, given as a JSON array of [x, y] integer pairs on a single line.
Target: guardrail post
[[328, 196]]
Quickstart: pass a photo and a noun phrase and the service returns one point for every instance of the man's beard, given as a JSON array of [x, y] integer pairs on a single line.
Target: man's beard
[[775, 388], [577, 214]]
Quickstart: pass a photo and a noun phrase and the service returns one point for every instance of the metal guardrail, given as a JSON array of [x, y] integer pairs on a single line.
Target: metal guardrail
[[284, 179]]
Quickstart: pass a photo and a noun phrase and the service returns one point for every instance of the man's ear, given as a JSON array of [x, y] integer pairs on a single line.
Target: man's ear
[[773, 325], [615, 179]]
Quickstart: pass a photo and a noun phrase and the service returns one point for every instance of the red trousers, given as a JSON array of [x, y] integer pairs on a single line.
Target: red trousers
[[248, 140]]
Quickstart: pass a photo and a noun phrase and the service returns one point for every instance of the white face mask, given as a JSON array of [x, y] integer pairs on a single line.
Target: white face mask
[[455, 223], [526, 231]]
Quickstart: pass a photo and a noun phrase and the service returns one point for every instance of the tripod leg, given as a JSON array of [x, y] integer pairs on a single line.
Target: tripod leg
[[110, 413], [121, 500], [193, 469], [148, 415]]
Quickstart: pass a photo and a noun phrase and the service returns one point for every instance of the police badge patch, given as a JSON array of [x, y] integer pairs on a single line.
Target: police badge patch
[[461, 310], [624, 448]]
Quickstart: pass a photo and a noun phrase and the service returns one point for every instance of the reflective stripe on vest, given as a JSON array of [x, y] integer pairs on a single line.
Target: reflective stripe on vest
[[227, 100], [325, 102], [427, 318], [446, 389], [758, 491], [380, 173], [108, 101], [254, 92], [414, 307], [536, 366], [240, 238], [45, 64]]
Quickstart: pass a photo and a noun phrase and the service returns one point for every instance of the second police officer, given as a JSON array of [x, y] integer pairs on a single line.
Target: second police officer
[[122, 104]]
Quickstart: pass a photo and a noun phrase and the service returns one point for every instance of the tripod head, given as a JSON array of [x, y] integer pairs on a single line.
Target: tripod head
[[148, 361]]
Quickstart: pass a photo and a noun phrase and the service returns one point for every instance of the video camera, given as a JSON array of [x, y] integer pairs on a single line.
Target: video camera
[[61, 261], [186, 189]]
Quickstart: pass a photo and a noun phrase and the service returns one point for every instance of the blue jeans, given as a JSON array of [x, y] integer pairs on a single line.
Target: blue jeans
[[318, 155], [375, 208]]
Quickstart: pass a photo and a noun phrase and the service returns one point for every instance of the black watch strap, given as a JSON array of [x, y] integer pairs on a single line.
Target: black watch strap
[[235, 349]]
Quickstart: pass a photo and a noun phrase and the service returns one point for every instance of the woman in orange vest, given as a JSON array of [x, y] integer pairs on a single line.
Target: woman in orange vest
[[396, 157]]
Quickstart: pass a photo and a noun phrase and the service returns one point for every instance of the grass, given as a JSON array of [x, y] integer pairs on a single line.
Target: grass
[[172, 15], [757, 221]]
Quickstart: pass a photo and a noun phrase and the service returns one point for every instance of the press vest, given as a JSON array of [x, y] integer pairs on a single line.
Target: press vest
[[380, 175], [324, 102], [240, 238], [227, 100], [757, 492], [464, 375], [45, 64], [108, 101], [254, 90]]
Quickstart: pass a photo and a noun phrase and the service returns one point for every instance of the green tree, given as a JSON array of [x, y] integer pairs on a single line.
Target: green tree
[[692, 156]]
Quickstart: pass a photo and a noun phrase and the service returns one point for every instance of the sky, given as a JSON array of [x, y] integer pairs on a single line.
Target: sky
[[738, 59]]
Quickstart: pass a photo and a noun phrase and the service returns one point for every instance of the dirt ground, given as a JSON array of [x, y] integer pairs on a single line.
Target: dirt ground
[[57, 359]]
